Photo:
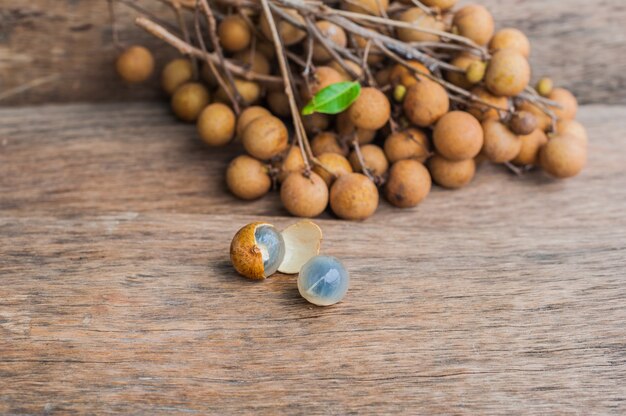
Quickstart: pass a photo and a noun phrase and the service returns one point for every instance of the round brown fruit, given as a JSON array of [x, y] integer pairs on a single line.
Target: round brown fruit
[[347, 130], [334, 34], [573, 129], [292, 163], [248, 115], [135, 64], [458, 136], [189, 100], [567, 101], [440, 4], [323, 77], [256, 62], [408, 144], [249, 91], [523, 123], [463, 61], [234, 34], [373, 157], [289, 34], [176, 73], [544, 122], [353, 197], [371, 111], [451, 174], [327, 142], [563, 157], [512, 39], [508, 73], [356, 68], [278, 102], [304, 197], [400, 74], [216, 124], [531, 143], [375, 7], [425, 103], [334, 164], [482, 111], [315, 123], [501, 144], [544, 86], [418, 18], [265, 137], [408, 184], [475, 22], [248, 178]]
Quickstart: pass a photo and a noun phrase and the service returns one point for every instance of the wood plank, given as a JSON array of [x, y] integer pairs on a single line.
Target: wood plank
[[579, 43]]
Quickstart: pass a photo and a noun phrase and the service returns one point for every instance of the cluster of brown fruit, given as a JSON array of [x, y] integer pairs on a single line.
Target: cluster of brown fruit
[[464, 100]]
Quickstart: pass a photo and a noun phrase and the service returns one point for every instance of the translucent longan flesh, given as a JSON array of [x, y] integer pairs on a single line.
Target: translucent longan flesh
[[323, 281], [272, 247]]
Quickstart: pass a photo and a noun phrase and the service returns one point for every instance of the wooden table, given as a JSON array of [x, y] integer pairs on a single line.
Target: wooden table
[[117, 296]]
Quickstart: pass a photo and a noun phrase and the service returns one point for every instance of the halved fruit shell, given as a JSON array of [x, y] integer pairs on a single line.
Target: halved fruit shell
[[302, 242]]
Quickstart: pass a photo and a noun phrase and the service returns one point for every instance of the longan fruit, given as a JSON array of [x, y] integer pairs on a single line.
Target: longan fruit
[[440, 4], [411, 143], [374, 158], [523, 123], [234, 34], [366, 6], [512, 39], [567, 100], [383, 77], [250, 91], [544, 86], [451, 174], [335, 163], [257, 62], [278, 102], [289, 34], [248, 178], [458, 136], [375, 56], [135, 64], [474, 22], [353, 197], [531, 143], [265, 137], [563, 157], [323, 77], [216, 124], [356, 68], [207, 75], [573, 129], [402, 75], [501, 144], [482, 111], [463, 61], [248, 115], [475, 72], [348, 130], [334, 34], [508, 73], [418, 18], [189, 100], [408, 184], [293, 162], [544, 122], [371, 111], [327, 142], [304, 197], [425, 103], [176, 73], [315, 123]]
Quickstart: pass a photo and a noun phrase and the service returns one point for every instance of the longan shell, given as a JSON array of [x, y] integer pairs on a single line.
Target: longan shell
[[500, 144], [353, 197], [347, 130], [441, 4], [523, 123], [512, 39], [400, 74], [474, 22], [248, 115], [216, 124], [425, 103], [463, 61], [416, 17], [247, 178], [323, 77], [508, 73], [245, 254], [409, 144], [315, 123], [135, 64], [293, 162], [563, 157], [408, 184], [335, 163], [458, 136], [250, 91], [265, 137], [371, 111], [573, 129], [289, 34], [256, 62], [567, 100], [334, 34], [356, 68], [278, 102], [304, 197], [234, 34], [189, 100], [529, 151], [451, 174], [176, 73], [327, 142], [366, 6], [482, 111], [374, 158], [544, 122]]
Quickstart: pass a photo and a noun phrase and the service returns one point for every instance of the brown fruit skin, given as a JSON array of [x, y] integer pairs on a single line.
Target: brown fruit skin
[[483, 112], [425, 103], [523, 123], [245, 255], [347, 130], [265, 137], [409, 144], [544, 122], [508, 73], [293, 162], [529, 152], [249, 91], [335, 163], [353, 197], [400, 74], [356, 68], [278, 102], [450, 174], [510, 38], [475, 22], [189, 100], [176, 73], [374, 158], [416, 17], [304, 197], [563, 157], [572, 129], [501, 144], [334, 34], [371, 111], [441, 4], [248, 115], [567, 100], [135, 64], [315, 123], [366, 6], [458, 136], [289, 34], [462, 61], [408, 184], [324, 76], [234, 34], [327, 142], [216, 124], [247, 178], [257, 63]]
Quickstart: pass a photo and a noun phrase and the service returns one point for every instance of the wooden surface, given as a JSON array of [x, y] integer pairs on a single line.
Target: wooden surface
[[580, 43], [116, 293]]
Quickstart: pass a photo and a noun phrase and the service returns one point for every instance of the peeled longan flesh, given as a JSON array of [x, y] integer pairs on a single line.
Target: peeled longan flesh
[[292, 163], [257, 62], [425, 103], [315, 123], [234, 34], [408, 184], [501, 144], [563, 157], [176, 73], [572, 129], [189, 100], [451, 174], [347, 130], [335, 163], [334, 34], [416, 17], [247, 178], [482, 111], [249, 91], [304, 197], [463, 61], [135, 64], [366, 6], [327, 142], [265, 137], [567, 101], [458, 136], [289, 34], [475, 22], [353, 197], [508, 73], [544, 122], [216, 124], [248, 115], [374, 158], [371, 111], [529, 150], [512, 39], [408, 144]]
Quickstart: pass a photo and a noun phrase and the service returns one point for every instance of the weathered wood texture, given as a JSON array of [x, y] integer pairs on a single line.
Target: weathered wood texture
[[580, 43], [116, 294]]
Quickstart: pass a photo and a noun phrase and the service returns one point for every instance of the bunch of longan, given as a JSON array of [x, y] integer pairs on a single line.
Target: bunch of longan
[[433, 116]]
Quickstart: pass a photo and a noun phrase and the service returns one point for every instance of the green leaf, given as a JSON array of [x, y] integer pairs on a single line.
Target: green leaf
[[333, 99]]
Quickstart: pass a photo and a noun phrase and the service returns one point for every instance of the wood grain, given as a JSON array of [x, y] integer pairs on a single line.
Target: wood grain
[[580, 43], [117, 296]]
